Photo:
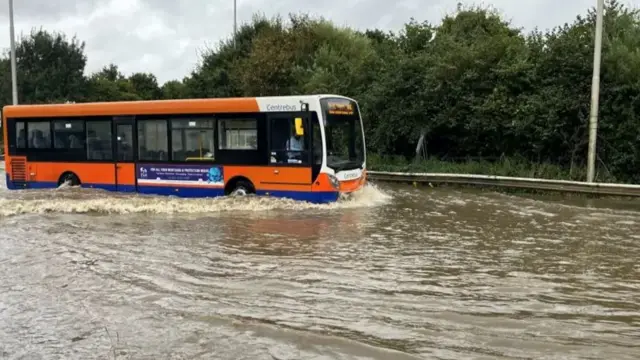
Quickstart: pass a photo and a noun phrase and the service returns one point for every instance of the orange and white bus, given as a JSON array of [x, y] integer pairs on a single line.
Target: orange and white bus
[[307, 148]]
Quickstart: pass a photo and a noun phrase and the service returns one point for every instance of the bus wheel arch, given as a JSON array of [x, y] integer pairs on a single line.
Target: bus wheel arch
[[239, 185], [69, 177]]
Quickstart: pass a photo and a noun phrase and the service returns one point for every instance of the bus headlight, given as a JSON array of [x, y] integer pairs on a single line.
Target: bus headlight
[[334, 181]]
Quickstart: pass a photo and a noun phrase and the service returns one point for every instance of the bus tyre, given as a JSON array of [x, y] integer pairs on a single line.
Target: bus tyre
[[242, 188], [69, 178]]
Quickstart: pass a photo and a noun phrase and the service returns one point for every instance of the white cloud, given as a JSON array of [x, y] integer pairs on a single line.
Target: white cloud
[[164, 36]]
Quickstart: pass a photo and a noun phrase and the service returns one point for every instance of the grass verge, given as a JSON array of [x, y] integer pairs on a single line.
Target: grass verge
[[503, 167]]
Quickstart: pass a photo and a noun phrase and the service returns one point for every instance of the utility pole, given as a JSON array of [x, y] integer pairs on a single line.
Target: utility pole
[[595, 93], [14, 75], [235, 22]]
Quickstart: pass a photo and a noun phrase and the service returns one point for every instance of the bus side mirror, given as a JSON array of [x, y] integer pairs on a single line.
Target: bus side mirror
[[299, 127]]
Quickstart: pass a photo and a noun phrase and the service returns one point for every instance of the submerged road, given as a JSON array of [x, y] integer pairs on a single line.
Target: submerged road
[[396, 273]]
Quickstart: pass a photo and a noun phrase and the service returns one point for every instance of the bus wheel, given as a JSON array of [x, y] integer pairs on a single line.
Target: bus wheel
[[69, 178], [241, 188]]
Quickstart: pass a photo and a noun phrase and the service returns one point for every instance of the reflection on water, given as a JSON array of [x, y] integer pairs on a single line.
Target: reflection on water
[[396, 273]]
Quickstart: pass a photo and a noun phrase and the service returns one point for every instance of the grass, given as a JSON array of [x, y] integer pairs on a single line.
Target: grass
[[503, 167]]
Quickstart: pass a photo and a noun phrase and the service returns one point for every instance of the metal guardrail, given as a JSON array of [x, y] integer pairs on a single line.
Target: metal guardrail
[[609, 189]]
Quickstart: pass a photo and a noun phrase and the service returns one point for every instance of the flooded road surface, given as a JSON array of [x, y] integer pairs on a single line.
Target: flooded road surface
[[397, 273]]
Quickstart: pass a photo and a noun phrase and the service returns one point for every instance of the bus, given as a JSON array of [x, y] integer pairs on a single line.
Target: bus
[[308, 148]]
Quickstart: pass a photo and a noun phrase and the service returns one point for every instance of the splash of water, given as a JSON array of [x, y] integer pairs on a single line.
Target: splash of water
[[67, 199]]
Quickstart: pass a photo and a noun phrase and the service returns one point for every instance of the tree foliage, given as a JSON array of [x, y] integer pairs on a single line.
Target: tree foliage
[[472, 86]]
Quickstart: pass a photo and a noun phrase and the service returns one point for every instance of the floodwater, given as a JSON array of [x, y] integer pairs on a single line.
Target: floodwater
[[395, 273]]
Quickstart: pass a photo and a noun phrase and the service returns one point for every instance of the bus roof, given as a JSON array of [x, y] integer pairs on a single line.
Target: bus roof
[[152, 107]]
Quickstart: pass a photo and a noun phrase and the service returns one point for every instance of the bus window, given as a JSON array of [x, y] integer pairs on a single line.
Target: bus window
[[40, 135], [99, 140], [68, 134], [287, 146], [21, 133], [192, 139], [237, 134], [153, 144]]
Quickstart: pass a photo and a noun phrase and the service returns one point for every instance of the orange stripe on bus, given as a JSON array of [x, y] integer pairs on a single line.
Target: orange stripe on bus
[[126, 174], [351, 185], [265, 178], [88, 173], [272, 177], [116, 108], [323, 183]]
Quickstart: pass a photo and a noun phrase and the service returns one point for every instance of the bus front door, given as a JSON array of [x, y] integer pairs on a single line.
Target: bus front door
[[289, 171], [125, 155]]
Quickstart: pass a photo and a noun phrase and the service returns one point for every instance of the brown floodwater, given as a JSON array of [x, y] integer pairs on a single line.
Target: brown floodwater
[[395, 273]]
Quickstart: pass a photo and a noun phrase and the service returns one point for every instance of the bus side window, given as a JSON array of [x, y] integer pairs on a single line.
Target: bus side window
[[238, 134], [40, 135], [193, 139], [153, 143], [68, 134], [99, 140], [21, 133]]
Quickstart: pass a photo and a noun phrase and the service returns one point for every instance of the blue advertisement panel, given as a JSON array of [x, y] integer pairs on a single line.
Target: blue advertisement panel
[[180, 175]]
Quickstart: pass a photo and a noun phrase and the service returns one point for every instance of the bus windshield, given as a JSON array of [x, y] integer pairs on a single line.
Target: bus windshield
[[343, 130]]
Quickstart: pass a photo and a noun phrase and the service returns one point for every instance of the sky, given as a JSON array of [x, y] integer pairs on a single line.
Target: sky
[[167, 37]]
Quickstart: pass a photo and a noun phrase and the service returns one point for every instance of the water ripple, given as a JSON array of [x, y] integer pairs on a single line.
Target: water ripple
[[407, 273]]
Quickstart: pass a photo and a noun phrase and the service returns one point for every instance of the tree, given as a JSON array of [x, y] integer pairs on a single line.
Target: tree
[[145, 85], [109, 84], [50, 68], [174, 89], [472, 86]]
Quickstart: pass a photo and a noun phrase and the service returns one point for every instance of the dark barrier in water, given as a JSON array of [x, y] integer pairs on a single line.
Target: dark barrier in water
[[630, 190]]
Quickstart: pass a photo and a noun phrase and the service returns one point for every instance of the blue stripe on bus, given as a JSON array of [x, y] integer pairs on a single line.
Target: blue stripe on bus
[[41, 185], [189, 192], [9, 182], [309, 196], [321, 197]]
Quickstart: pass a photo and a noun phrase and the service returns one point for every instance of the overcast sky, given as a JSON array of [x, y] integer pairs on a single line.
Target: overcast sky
[[165, 36]]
